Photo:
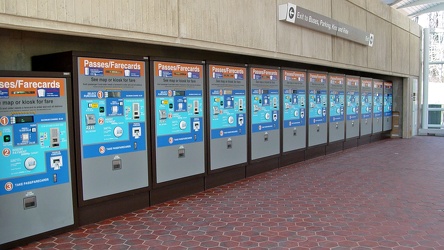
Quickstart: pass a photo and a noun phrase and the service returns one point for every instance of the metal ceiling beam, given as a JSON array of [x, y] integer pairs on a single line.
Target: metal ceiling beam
[[439, 7], [419, 2], [395, 2]]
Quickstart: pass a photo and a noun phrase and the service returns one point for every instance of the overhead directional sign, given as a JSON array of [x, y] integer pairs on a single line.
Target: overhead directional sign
[[311, 20]]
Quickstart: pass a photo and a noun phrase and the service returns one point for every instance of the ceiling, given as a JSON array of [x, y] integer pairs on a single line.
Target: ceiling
[[414, 8]]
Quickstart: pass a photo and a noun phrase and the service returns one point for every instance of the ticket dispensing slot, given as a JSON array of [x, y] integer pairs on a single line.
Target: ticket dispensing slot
[[117, 164], [181, 152], [29, 202], [266, 136], [229, 143]]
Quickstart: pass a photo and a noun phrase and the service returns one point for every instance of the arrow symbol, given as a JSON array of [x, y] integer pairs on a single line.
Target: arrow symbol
[[291, 13]]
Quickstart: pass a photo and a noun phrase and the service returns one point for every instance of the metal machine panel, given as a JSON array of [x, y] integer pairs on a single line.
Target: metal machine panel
[[265, 115], [352, 112], [113, 125], [228, 115], [388, 106], [36, 193], [336, 130], [377, 106], [317, 109], [179, 120], [366, 106], [294, 83]]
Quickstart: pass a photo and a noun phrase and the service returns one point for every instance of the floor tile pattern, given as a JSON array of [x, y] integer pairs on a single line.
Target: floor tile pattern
[[384, 195]]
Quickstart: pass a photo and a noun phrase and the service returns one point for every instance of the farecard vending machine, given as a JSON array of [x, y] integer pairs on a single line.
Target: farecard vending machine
[[294, 110], [336, 129], [317, 109], [36, 170], [352, 111], [366, 106], [265, 106], [178, 90], [112, 118], [111, 127], [377, 106], [227, 112], [388, 106]]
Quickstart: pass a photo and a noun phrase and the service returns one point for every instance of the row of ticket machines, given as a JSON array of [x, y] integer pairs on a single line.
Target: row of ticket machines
[[118, 123]]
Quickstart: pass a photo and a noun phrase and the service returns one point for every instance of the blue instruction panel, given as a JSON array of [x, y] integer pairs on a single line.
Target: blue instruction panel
[[317, 98], [352, 98], [377, 98], [179, 109], [294, 98], [265, 100], [227, 112], [366, 98], [179, 119], [227, 101], [34, 135], [336, 98], [388, 99]]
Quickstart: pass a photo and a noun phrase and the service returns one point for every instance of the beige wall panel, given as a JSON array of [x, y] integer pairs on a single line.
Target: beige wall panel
[[21, 9], [52, 9], [2, 6], [96, 12], [415, 55], [161, 17], [125, 15], [83, 11], [289, 38], [380, 55], [61, 10], [360, 3], [230, 22], [150, 16], [400, 50], [350, 53], [117, 14], [400, 20], [138, 16], [346, 12], [415, 29], [31, 8], [316, 45], [322, 7], [42, 9], [344, 51], [11, 7], [70, 11], [380, 9]]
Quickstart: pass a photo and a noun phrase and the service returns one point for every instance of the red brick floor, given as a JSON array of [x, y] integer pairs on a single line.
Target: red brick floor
[[385, 195]]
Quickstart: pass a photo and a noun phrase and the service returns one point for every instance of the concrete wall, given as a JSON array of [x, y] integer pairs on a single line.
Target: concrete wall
[[247, 27]]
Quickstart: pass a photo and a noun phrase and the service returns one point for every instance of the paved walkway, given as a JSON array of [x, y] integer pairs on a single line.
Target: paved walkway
[[385, 195]]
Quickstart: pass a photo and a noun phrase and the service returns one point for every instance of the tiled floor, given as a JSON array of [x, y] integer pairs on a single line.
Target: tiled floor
[[385, 195]]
